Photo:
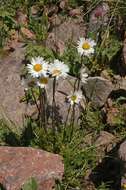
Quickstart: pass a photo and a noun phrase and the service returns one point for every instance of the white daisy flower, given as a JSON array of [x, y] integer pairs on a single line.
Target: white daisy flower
[[38, 67], [83, 75], [58, 69], [86, 46], [74, 98], [42, 82]]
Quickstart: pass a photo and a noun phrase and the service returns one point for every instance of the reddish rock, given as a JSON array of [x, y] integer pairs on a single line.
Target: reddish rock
[[27, 33], [75, 12], [18, 164]]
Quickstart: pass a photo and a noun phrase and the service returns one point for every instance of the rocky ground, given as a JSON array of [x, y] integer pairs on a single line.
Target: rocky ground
[[65, 24]]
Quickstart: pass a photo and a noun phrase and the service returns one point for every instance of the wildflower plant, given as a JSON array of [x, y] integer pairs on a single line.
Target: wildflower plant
[[43, 71]]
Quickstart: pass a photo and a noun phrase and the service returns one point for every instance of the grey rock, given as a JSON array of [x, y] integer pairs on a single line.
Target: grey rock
[[104, 139], [55, 20], [120, 83], [122, 151], [124, 51], [122, 156], [11, 89], [105, 142], [97, 90], [70, 29], [63, 88]]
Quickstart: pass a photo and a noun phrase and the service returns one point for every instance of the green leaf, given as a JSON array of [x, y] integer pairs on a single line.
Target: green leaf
[[31, 184], [33, 50], [112, 48]]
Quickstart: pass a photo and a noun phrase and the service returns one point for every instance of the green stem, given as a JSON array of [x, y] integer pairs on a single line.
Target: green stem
[[53, 111], [42, 109], [72, 121], [79, 80], [45, 108], [64, 131], [35, 101]]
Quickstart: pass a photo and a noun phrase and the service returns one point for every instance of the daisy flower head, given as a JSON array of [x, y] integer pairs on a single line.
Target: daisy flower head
[[58, 69], [42, 82], [75, 98], [38, 67], [86, 46]]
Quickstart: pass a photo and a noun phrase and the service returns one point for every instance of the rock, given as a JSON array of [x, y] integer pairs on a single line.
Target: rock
[[19, 164], [56, 45], [119, 83], [11, 89], [97, 90], [122, 151], [63, 4], [99, 16], [13, 40], [124, 51], [60, 47], [70, 29], [75, 12], [122, 156], [104, 143], [104, 139], [105, 75], [64, 87], [55, 20], [27, 33]]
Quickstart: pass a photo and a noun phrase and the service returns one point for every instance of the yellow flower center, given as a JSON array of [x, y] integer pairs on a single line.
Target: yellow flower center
[[43, 80], [123, 186], [86, 46], [73, 98], [37, 67], [56, 72]]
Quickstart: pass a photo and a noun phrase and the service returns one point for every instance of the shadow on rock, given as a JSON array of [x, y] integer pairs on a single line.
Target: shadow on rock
[[108, 171]]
